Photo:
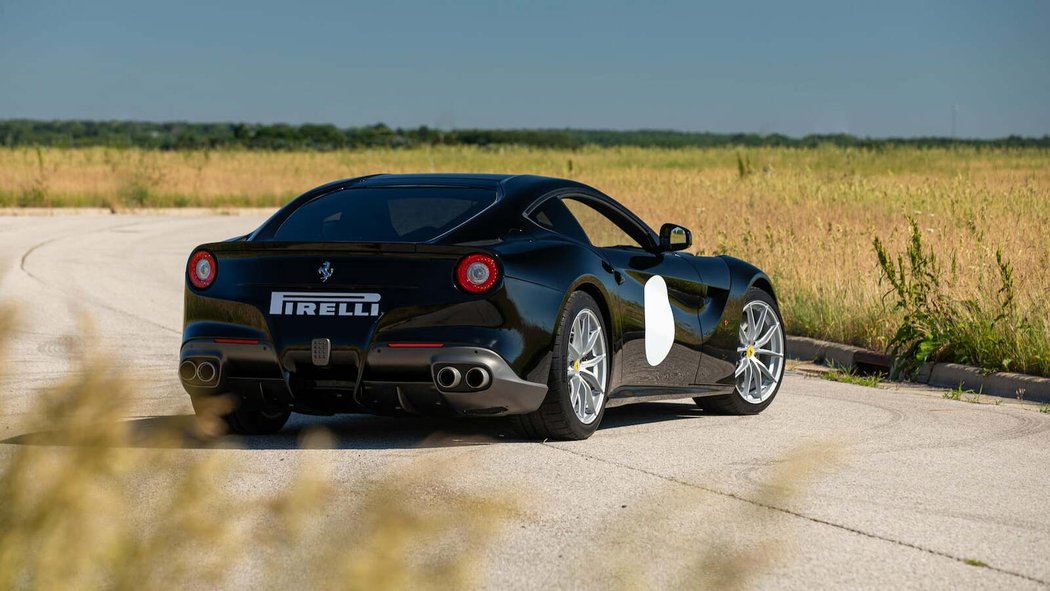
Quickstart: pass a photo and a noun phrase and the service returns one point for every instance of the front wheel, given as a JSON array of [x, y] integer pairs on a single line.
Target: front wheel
[[579, 378], [760, 366]]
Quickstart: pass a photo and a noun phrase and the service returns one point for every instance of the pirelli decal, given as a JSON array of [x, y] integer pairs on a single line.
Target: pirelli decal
[[312, 303]]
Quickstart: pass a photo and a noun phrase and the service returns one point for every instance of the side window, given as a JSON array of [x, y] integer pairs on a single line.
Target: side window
[[602, 231], [554, 216]]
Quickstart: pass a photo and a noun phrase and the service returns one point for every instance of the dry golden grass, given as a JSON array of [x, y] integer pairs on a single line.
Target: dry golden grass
[[808, 217]]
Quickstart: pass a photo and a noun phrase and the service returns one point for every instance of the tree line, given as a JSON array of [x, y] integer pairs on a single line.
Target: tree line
[[279, 136]]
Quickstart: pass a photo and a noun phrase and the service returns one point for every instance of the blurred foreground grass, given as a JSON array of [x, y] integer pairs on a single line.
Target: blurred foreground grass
[[808, 217], [89, 501]]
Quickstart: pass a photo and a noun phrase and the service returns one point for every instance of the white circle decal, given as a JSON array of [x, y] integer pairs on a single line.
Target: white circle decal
[[659, 322]]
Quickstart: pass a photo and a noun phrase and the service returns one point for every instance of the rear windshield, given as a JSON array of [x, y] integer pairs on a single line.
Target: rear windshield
[[394, 214]]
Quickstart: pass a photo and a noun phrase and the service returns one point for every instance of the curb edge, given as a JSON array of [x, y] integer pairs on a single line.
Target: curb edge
[[943, 375]]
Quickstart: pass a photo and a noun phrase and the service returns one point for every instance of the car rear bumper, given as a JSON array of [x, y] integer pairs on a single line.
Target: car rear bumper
[[388, 380]]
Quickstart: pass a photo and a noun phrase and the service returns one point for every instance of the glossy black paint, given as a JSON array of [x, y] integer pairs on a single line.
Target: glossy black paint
[[421, 304]]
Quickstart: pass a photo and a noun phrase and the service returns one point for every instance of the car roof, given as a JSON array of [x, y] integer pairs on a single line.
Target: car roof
[[514, 194], [520, 186], [486, 181]]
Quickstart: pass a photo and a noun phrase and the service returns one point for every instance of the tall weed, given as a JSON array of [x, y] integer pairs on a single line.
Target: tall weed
[[937, 325]]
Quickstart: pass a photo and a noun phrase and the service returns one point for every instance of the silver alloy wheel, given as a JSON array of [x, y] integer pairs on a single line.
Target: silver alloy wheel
[[588, 365], [761, 350]]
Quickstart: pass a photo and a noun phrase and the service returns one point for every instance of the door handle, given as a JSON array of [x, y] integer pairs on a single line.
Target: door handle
[[616, 274]]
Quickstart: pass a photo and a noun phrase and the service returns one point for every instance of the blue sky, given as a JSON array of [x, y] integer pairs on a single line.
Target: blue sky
[[868, 68]]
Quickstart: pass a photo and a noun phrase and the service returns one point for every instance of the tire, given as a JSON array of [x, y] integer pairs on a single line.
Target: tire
[[243, 422], [559, 415], [737, 403]]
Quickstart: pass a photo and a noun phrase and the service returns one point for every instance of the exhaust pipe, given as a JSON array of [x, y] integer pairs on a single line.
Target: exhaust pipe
[[448, 377], [478, 378], [187, 370], [207, 371]]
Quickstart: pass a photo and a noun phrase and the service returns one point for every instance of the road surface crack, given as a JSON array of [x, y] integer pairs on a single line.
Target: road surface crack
[[810, 518], [92, 301]]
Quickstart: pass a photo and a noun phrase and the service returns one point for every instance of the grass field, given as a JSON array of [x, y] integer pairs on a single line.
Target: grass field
[[807, 216]]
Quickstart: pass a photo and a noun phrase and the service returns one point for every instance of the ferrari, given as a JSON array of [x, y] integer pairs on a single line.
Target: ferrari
[[536, 298]]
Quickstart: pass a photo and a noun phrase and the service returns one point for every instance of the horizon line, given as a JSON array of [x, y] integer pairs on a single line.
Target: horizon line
[[684, 132]]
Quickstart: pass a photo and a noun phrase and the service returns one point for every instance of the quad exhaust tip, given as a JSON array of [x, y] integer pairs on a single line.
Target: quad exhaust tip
[[187, 370], [477, 378], [448, 377], [207, 371], [460, 379]]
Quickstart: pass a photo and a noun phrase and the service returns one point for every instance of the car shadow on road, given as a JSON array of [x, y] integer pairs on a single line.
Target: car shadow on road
[[359, 431]]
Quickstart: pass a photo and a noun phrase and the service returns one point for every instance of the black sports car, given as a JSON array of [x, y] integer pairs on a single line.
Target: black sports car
[[472, 294]]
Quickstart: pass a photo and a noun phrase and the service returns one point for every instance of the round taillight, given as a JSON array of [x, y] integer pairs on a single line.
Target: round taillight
[[477, 273], [202, 269]]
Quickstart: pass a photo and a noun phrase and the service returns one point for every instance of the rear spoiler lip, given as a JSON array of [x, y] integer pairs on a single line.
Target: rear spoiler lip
[[326, 248]]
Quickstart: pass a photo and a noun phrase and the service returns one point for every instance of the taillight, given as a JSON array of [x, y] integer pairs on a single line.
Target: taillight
[[202, 269], [477, 273]]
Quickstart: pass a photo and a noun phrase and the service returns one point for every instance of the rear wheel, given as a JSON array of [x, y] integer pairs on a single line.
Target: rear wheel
[[240, 421], [579, 378], [760, 367]]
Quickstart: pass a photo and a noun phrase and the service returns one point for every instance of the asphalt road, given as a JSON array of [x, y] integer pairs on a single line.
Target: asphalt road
[[920, 485]]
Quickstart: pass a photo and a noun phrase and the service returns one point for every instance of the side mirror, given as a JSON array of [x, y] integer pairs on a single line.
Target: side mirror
[[674, 237]]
